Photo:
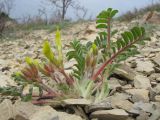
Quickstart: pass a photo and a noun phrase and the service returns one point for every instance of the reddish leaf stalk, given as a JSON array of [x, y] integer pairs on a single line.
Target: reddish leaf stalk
[[94, 77], [49, 90], [39, 102], [46, 96], [69, 80]]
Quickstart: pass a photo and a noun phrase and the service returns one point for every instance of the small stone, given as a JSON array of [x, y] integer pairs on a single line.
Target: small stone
[[157, 89], [146, 67], [99, 106], [113, 83], [23, 110], [125, 72], [133, 64], [154, 76], [4, 62], [158, 33], [157, 69], [151, 55], [128, 86], [139, 94], [122, 82], [158, 79], [145, 51], [141, 106], [123, 104], [81, 102], [29, 53], [117, 96], [114, 114], [45, 113], [153, 83], [5, 80], [143, 116], [26, 46], [69, 65], [48, 113], [157, 98], [155, 115], [155, 112], [141, 81], [65, 116], [152, 94], [6, 110], [157, 59], [130, 118]]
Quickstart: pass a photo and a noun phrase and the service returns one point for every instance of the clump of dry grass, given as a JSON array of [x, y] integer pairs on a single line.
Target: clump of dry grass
[[136, 13]]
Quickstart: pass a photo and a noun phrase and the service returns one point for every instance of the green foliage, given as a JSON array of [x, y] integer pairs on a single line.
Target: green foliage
[[94, 63], [10, 91], [77, 54], [118, 51], [128, 43]]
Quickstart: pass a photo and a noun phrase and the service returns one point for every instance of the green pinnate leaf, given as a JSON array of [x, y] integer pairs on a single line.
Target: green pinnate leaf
[[114, 32], [118, 44], [101, 21], [141, 42], [108, 12], [142, 30], [103, 14], [102, 34], [114, 49], [99, 26], [122, 43], [77, 53], [134, 33], [130, 36], [109, 9], [137, 31], [125, 38], [113, 13]]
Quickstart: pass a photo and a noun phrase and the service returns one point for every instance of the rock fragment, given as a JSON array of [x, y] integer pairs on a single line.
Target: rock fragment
[[142, 82], [125, 72], [114, 114], [139, 94]]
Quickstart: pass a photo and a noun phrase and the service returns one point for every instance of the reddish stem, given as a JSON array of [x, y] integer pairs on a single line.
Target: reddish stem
[[46, 96], [39, 102], [94, 77]]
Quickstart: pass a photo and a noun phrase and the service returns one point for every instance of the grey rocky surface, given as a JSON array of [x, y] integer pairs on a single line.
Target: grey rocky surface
[[6, 110], [27, 111]]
